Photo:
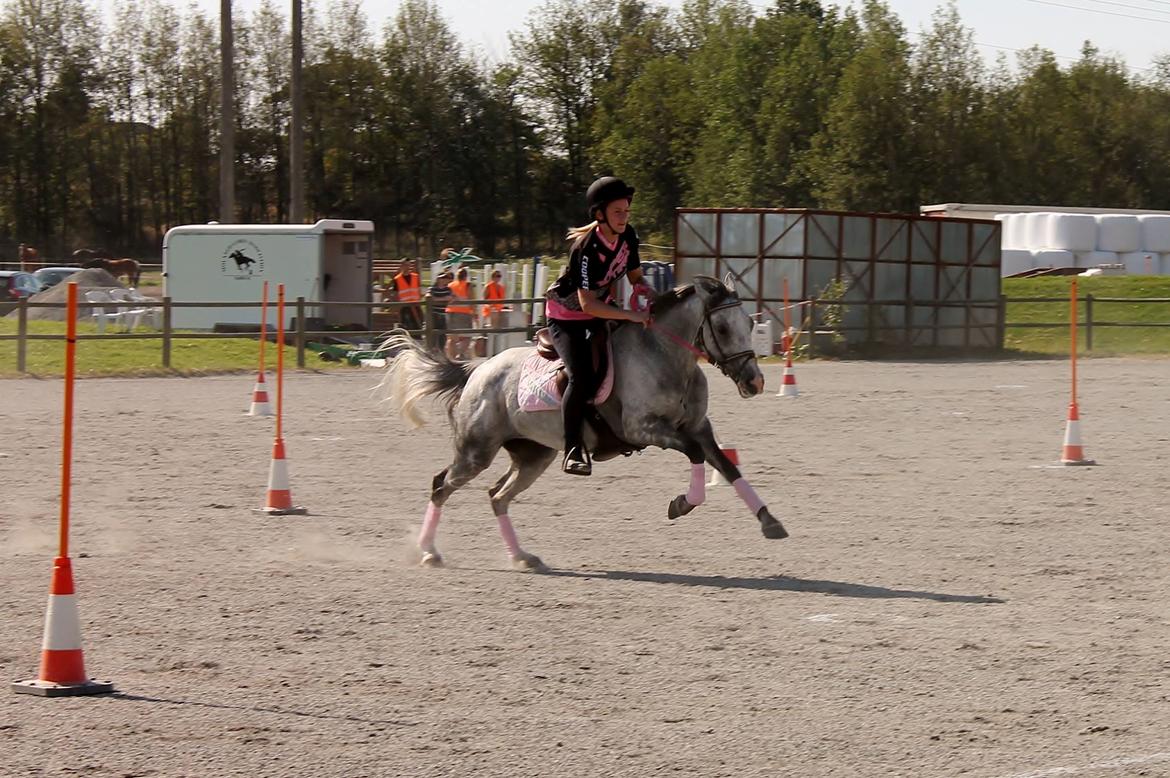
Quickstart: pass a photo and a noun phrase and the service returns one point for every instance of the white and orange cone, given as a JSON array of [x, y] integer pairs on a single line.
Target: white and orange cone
[[279, 495], [717, 478], [260, 405], [788, 382], [62, 663], [1074, 452]]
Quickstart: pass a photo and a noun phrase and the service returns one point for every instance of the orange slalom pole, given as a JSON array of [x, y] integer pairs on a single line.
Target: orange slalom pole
[[1073, 338], [263, 326], [787, 344], [67, 437], [279, 358]]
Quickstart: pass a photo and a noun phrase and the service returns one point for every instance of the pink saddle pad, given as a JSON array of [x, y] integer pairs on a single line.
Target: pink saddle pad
[[538, 383]]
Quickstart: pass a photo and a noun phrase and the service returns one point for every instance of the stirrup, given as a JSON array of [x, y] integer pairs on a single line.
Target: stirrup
[[577, 466]]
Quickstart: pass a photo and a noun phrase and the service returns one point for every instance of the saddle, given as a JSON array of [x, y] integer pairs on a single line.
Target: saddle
[[533, 396]]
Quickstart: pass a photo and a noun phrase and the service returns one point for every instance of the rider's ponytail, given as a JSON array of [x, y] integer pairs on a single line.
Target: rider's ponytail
[[577, 233]]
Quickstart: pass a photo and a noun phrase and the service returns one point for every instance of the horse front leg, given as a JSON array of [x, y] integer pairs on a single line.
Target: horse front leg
[[769, 525], [696, 492]]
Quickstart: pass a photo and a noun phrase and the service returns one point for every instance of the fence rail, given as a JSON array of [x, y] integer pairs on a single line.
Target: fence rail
[[429, 333]]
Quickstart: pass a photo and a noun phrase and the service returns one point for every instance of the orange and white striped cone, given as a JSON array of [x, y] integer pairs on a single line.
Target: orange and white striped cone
[[1074, 451], [260, 405], [717, 478], [788, 382], [62, 662], [279, 495]]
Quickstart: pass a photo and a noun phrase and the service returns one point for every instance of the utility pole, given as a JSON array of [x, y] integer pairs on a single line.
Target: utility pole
[[227, 116], [296, 130]]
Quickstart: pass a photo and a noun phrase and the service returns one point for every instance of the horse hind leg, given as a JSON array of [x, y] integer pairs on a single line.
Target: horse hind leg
[[468, 464], [529, 461]]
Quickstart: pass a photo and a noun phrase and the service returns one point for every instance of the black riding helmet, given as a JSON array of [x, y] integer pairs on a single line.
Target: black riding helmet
[[604, 191]]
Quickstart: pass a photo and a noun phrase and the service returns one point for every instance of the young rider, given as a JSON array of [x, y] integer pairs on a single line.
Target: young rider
[[582, 298]]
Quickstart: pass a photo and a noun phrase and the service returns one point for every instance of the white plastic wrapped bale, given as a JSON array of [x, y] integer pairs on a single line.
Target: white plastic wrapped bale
[[1141, 263], [1119, 233], [1054, 258], [1004, 237], [1015, 227], [1013, 261], [1036, 230], [1096, 258], [1155, 233], [1072, 232]]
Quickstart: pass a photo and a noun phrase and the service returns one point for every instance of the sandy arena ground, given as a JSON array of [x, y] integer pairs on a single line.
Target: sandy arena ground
[[947, 604]]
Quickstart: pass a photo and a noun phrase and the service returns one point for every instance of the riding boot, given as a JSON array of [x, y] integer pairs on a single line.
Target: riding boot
[[577, 461]]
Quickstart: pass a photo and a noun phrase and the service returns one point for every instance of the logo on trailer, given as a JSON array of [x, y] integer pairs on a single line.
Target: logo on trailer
[[242, 259]]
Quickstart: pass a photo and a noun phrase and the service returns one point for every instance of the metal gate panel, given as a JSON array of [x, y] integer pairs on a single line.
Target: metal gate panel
[[857, 237], [784, 235], [909, 279], [824, 235], [696, 234]]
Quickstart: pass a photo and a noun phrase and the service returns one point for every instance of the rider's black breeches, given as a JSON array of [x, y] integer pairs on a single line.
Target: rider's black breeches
[[574, 342]]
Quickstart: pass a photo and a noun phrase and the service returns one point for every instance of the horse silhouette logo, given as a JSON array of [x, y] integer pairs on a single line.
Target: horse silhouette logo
[[242, 259]]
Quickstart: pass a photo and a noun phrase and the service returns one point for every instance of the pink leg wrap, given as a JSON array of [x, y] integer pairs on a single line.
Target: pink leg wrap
[[748, 495], [426, 538], [508, 534], [698, 489]]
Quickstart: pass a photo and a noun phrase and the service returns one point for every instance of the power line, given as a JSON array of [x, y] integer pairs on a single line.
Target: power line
[[1126, 5], [1105, 13]]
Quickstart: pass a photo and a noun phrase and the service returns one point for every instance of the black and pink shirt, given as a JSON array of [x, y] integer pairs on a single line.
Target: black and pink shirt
[[594, 265]]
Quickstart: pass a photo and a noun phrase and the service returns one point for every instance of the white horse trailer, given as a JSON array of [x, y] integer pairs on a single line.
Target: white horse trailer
[[322, 262]]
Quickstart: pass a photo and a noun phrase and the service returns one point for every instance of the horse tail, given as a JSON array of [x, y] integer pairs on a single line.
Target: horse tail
[[416, 373]]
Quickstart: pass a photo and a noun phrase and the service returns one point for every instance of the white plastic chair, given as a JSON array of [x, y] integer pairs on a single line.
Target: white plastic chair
[[103, 308], [151, 314], [131, 315]]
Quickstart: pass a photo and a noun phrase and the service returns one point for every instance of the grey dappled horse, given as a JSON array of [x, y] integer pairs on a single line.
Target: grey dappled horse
[[659, 399]]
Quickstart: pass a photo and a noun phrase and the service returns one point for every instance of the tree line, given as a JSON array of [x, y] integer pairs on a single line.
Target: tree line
[[109, 134]]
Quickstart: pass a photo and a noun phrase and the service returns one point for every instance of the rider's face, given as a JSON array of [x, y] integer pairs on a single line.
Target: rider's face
[[617, 215]]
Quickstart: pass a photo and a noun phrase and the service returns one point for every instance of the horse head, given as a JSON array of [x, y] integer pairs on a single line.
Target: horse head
[[725, 334]]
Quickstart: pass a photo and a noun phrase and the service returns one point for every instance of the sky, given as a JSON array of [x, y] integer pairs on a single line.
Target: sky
[[1136, 31]]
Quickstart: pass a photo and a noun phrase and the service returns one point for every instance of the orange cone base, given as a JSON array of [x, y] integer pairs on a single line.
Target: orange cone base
[[49, 689], [1078, 462], [292, 510]]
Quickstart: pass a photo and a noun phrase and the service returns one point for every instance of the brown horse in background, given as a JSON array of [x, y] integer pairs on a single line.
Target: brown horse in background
[[29, 258], [118, 268]]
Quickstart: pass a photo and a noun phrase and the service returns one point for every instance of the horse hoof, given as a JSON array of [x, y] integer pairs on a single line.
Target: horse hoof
[[528, 563], [679, 507], [430, 559], [772, 529]]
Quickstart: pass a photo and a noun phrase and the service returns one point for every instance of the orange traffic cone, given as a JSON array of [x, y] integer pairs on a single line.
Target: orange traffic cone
[[279, 494], [62, 663], [788, 382], [1074, 452], [260, 399], [717, 478]]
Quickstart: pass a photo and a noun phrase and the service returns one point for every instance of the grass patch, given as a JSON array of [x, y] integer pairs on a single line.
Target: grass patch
[[125, 357], [1107, 340]]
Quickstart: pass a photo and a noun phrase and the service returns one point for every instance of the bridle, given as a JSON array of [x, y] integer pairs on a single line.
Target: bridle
[[699, 346]]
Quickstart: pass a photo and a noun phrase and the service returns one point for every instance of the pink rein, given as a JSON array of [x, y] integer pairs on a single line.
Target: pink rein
[[640, 301]]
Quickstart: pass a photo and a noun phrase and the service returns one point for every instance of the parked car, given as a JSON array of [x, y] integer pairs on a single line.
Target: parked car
[[15, 284], [51, 276]]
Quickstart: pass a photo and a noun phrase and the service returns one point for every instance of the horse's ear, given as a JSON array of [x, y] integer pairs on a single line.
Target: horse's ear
[[729, 282]]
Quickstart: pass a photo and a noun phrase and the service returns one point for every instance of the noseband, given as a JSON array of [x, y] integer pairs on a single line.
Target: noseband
[[699, 347], [724, 359]]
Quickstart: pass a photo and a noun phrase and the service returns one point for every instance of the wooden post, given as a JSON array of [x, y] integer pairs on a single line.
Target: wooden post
[[300, 337], [21, 334], [166, 333], [1089, 322]]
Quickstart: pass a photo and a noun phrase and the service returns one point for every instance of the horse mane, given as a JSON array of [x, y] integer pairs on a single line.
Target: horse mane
[[668, 301]]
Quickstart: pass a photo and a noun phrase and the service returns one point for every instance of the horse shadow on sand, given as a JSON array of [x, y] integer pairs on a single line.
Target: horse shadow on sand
[[779, 583]]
